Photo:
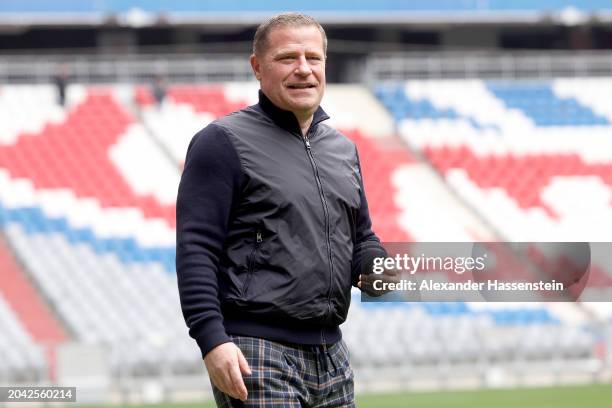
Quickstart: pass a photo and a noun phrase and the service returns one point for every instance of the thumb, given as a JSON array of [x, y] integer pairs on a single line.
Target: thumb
[[243, 364]]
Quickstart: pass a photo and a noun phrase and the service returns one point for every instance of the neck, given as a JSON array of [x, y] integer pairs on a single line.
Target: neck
[[304, 124], [299, 121]]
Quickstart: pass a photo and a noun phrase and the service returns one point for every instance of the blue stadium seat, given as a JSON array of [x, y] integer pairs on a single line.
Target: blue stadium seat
[[538, 102]]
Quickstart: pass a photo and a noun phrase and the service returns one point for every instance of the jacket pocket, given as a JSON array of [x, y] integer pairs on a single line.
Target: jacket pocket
[[251, 264]]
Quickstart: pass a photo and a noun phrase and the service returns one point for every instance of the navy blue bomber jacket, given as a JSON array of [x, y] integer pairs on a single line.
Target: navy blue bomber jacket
[[272, 229]]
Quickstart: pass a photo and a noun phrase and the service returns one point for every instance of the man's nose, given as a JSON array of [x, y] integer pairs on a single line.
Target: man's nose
[[303, 67]]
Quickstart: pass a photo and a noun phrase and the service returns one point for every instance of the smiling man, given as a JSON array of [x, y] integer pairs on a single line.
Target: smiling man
[[290, 65], [273, 230]]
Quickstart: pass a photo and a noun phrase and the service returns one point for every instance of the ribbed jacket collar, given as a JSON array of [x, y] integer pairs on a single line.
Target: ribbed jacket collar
[[286, 119]]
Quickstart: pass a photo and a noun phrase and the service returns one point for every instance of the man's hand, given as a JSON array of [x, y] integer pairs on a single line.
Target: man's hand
[[226, 364], [366, 282]]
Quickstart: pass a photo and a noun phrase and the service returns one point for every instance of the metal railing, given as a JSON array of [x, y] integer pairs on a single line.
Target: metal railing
[[397, 66], [498, 65], [92, 69]]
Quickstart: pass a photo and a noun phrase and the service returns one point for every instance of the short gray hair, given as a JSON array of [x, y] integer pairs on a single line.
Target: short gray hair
[[260, 41]]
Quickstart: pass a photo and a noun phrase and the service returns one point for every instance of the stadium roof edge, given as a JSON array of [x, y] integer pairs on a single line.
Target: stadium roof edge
[[139, 18]]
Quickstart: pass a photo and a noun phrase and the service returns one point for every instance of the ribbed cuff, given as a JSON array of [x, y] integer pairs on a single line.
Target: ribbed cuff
[[363, 258], [209, 335]]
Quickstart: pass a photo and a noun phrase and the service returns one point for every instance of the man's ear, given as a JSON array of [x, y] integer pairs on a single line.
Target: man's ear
[[256, 67]]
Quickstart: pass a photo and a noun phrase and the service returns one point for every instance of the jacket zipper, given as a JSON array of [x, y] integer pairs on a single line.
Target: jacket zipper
[[327, 228], [250, 266]]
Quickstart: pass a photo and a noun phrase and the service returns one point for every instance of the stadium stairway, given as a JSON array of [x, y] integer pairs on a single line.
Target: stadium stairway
[[354, 107], [28, 305]]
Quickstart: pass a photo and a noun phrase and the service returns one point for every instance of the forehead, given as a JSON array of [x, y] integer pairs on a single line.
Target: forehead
[[307, 38]]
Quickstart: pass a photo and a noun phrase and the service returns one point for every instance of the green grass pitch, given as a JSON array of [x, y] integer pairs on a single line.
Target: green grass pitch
[[592, 396]]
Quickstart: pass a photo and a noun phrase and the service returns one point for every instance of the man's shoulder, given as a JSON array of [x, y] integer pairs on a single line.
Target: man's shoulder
[[249, 114], [221, 127]]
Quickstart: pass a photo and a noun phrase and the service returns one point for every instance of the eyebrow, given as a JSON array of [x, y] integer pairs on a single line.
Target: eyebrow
[[285, 54], [289, 53]]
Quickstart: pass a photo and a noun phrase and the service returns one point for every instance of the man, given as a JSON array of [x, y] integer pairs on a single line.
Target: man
[[60, 79], [272, 230]]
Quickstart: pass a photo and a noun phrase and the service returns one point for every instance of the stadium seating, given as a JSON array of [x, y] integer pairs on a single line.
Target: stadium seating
[[532, 159], [95, 229], [434, 333], [522, 154], [190, 107], [87, 203]]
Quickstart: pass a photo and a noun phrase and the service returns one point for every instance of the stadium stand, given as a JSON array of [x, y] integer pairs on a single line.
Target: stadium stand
[[476, 120], [433, 333], [521, 153], [94, 227]]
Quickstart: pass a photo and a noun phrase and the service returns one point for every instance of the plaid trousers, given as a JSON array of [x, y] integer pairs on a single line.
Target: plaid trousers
[[293, 375]]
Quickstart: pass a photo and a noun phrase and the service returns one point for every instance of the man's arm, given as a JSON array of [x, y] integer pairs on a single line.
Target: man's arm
[[209, 189], [367, 244], [367, 247], [209, 186]]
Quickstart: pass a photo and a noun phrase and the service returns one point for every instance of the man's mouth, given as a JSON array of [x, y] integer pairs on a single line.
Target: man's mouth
[[301, 86]]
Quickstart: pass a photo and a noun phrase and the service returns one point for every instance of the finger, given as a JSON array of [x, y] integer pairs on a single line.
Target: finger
[[227, 386], [238, 387], [368, 279], [244, 365], [220, 382], [367, 285], [223, 381]]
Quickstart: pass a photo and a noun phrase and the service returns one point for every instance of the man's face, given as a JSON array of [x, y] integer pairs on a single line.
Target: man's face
[[291, 70]]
